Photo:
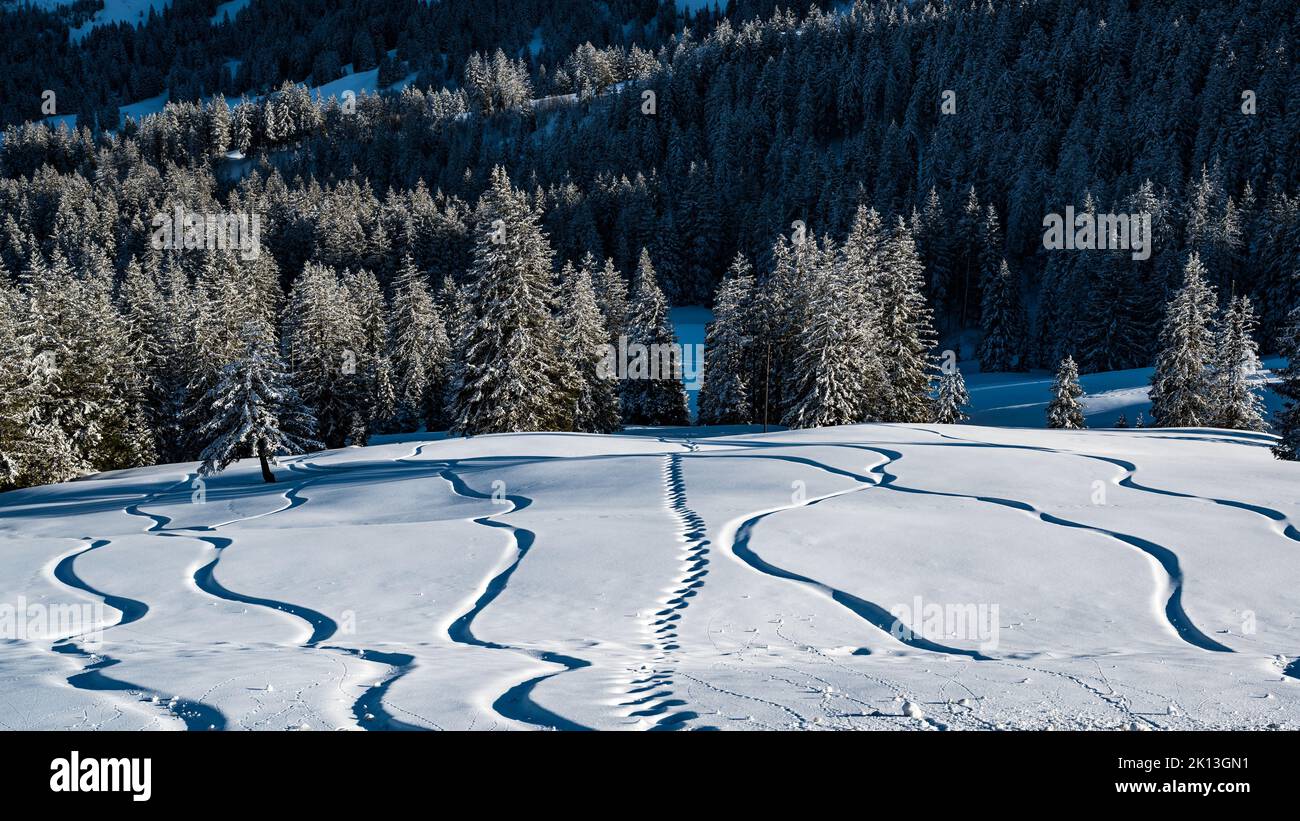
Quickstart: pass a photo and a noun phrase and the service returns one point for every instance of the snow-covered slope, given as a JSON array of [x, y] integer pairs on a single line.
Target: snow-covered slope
[[697, 578], [1019, 399]]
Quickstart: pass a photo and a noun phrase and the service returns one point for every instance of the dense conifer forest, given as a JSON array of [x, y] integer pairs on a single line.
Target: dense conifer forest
[[854, 190]]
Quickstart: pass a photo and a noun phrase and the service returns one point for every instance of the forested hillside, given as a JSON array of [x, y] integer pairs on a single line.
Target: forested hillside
[[875, 178]]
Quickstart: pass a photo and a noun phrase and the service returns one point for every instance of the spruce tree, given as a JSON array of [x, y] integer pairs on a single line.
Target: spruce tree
[[419, 350], [1234, 399], [728, 350], [587, 345], [611, 295], [254, 410], [510, 377], [224, 301], [1065, 411], [1114, 321], [860, 290], [378, 397], [175, 347], [827, 376], [781, 305], [1180, 386], [936, 250], [1003, 320], [652, 390], [950, 397], [79, 350], [322, 339], [906, 331], [33, 449]]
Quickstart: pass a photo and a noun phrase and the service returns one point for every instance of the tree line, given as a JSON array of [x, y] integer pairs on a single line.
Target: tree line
[[202, 354]]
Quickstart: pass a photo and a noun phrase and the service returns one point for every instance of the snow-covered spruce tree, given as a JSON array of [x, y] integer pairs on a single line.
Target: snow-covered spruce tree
[[1122, 421], [729, 348], [906, 331], [936, 250], [322, 339], [33, 450], [145, 318], [611, 295], [1287, 420], [254, 410], [175, 355], [373, 364], [587, 346], [14, 402], [780, 314], [1004, 323], [511, 375], [224, 301], [950, 397], [990, 246], [459, 321], [652, 389], [419, 349], [861, 288], [1065, 410], [828, 370], [1235, 402], [79, 353], [1180, 386]]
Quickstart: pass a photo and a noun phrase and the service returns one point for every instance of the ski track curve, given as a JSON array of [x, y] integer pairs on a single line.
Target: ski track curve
[[738, 543], [1279, 521], [322, 626], [516, 703], [1283, 526], [692, 533], [1166, 559], [66, 573], [195, 714]]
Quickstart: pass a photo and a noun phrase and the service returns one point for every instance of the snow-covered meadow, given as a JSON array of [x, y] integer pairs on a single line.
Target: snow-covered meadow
[[673, 579]]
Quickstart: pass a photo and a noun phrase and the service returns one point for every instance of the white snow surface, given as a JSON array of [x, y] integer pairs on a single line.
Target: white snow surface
[[672, 579], [1020, 399]]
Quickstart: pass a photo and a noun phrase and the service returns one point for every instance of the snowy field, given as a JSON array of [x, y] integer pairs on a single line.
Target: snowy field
[[1020, 399], [688, 579]]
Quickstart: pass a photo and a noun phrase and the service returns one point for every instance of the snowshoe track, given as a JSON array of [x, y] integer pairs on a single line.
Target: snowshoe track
[[666, 619]]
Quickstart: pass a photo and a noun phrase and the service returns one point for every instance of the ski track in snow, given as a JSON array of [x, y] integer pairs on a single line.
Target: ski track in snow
[[652, 694], [516, 703], [1169, 588], [367, 709], [195, 714], [1281, 523], [739, 533]]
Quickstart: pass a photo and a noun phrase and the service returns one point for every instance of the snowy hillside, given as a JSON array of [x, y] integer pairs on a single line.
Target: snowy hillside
[[1020, 400], [694, 580]]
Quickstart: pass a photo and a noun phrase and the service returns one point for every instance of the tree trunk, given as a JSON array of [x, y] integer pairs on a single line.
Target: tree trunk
[[267, 475]]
